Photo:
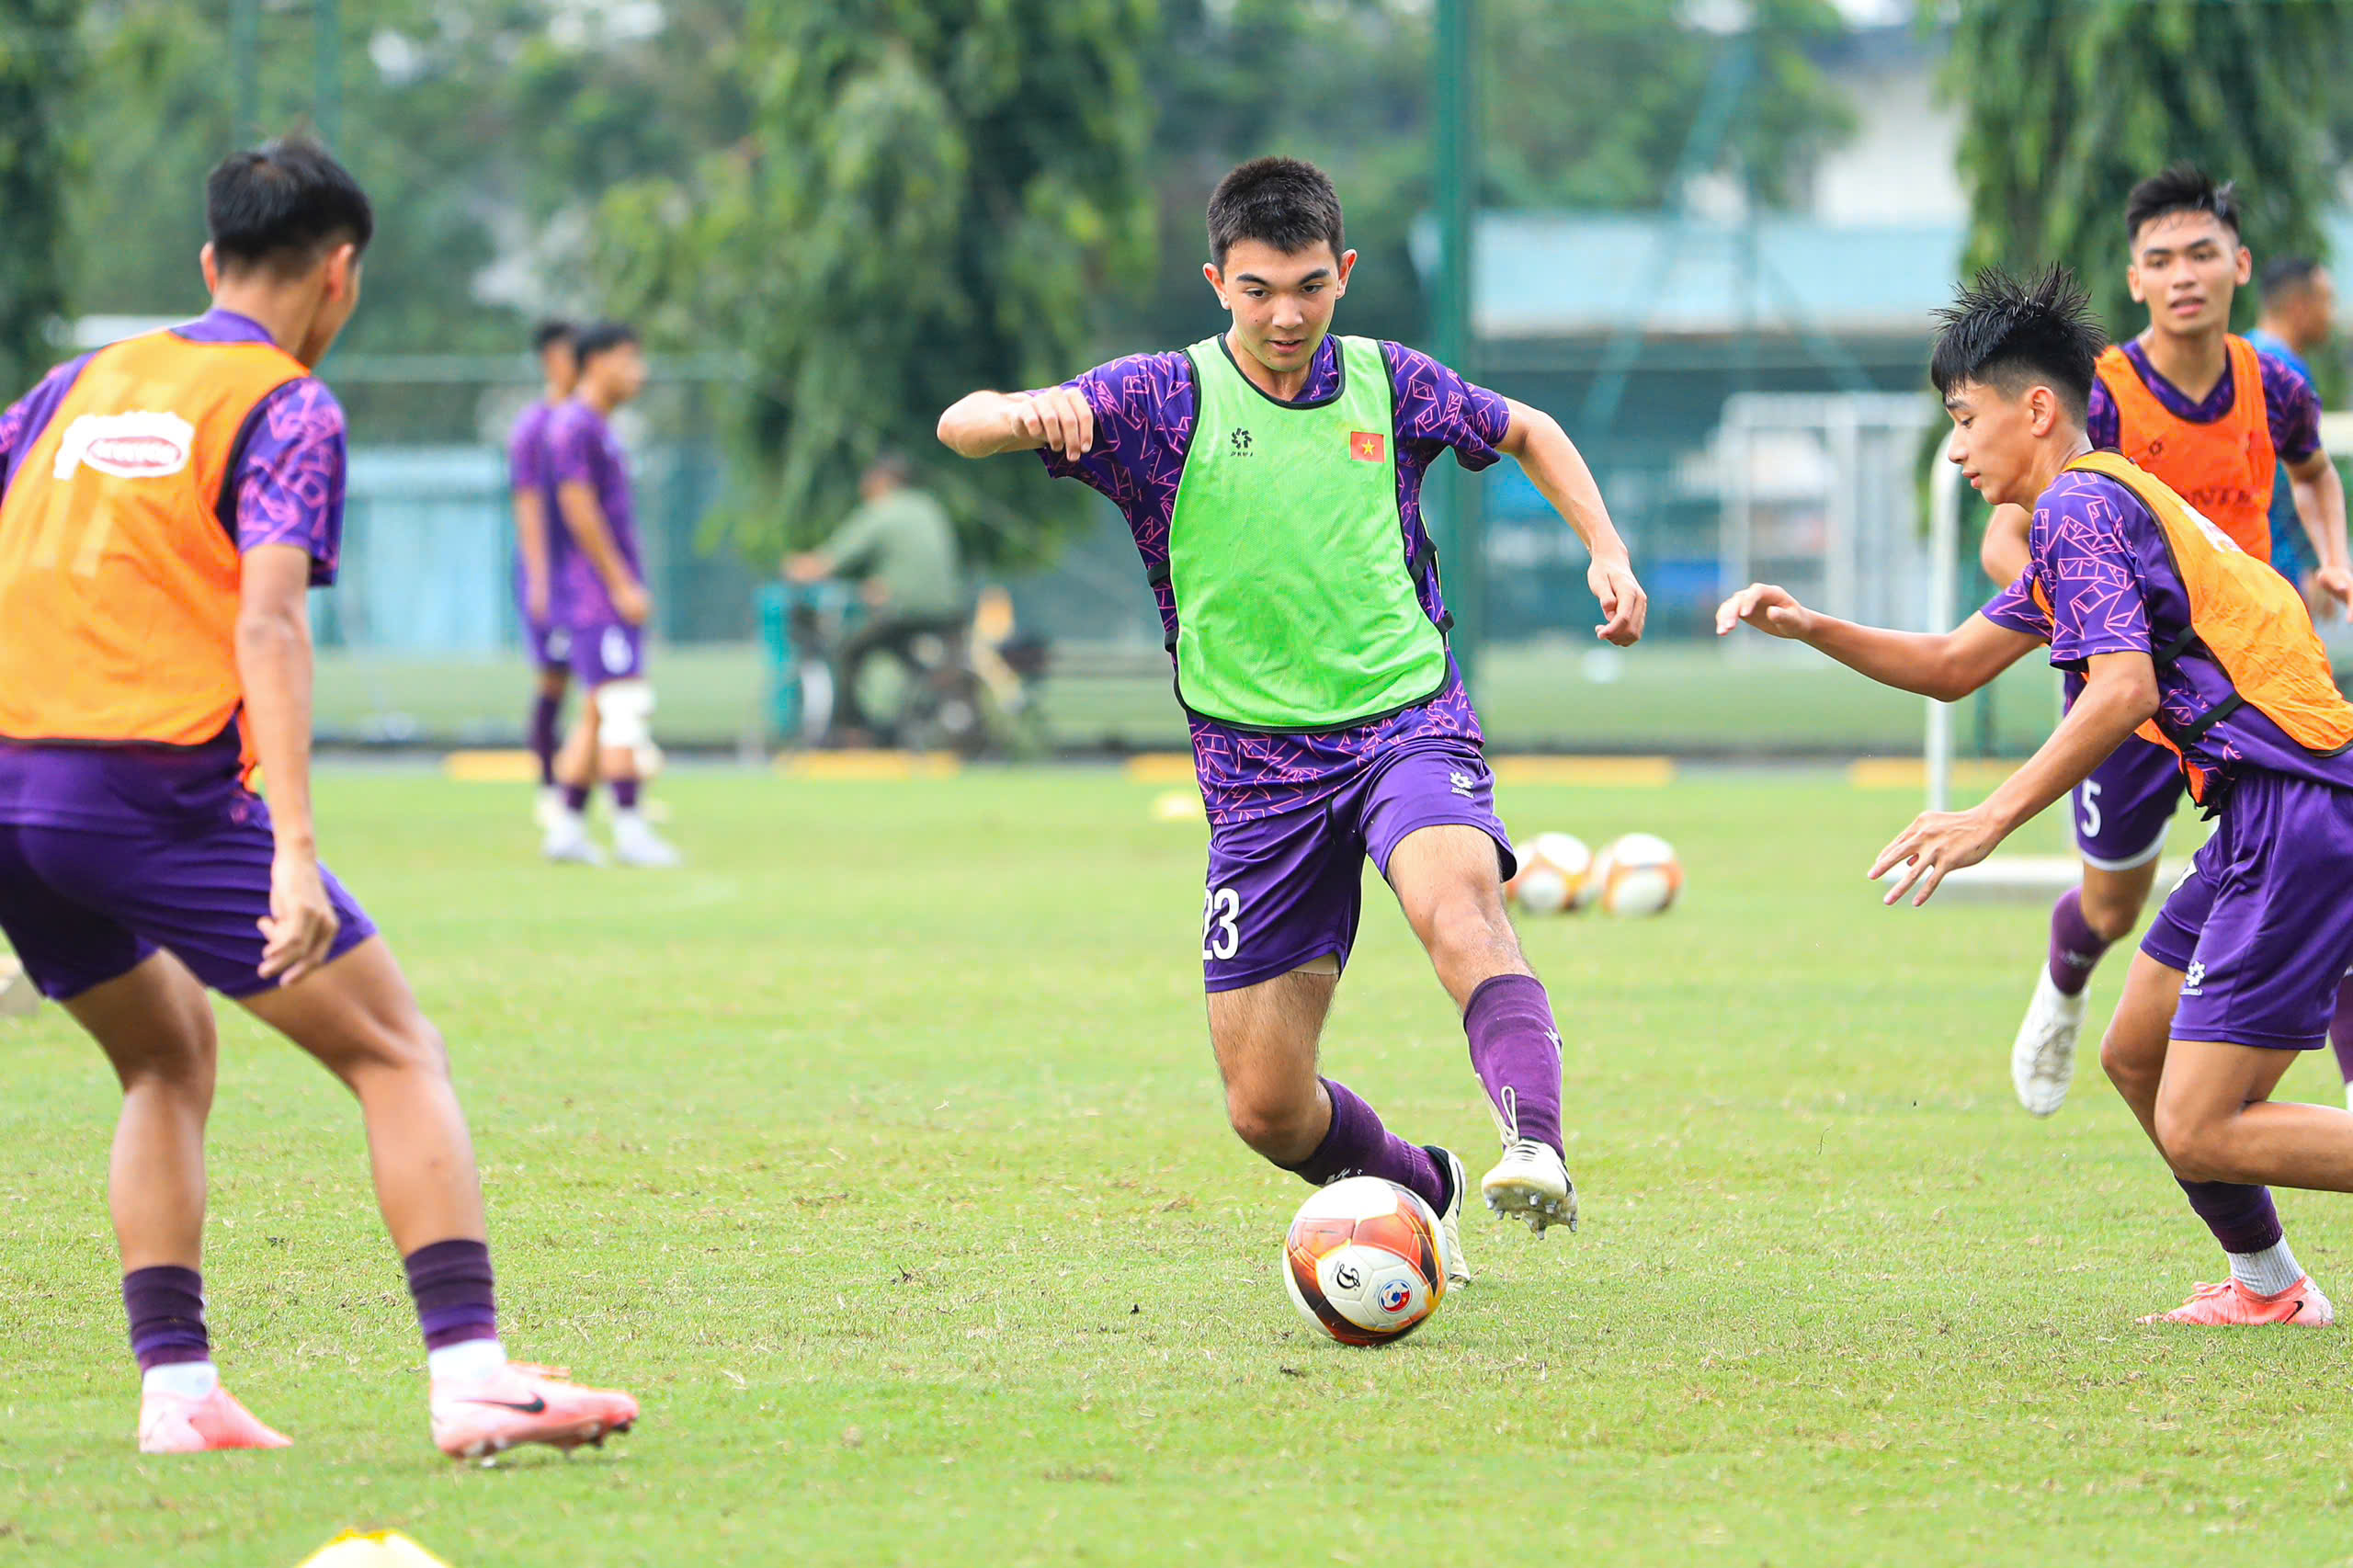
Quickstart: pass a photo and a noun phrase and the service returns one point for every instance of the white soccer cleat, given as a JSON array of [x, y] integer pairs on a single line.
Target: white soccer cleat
[[1449, 1219], [1532, 1181], [636, 843], [2042, 1060], [567, 841]]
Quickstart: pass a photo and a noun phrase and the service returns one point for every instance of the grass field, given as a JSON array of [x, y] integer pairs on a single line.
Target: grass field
[[880, 1152]]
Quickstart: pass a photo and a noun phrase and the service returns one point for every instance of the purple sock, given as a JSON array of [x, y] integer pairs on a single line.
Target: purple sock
[[452, 1285], [166, 1309], [2242, 1218], [2340, 1029], [1359, 1145], [575, 798], [2075, 945], [1515, 1049], [543, 736], [625, 794]]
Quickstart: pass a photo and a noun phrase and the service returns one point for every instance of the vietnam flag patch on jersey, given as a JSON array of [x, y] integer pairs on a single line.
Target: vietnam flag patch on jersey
[[1367, 447]]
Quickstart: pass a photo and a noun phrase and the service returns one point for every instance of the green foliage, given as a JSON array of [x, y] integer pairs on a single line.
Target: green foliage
[[2068, 103], [928, 198], [40, 68]]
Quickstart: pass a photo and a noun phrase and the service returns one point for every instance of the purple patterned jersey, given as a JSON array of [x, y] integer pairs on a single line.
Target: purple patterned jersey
[[2288, 401], [2101, 559], [528, 469], [287, 487], [582, 448], [1144, 426]]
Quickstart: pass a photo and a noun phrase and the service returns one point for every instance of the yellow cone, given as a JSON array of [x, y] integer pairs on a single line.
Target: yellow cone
[[375, 1548]]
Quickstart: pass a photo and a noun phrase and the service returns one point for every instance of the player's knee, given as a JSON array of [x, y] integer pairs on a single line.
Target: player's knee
[[1465, 929], [624, 715], [2112, 915], [1274, 1125], [181, 1056], [2196, 1145]]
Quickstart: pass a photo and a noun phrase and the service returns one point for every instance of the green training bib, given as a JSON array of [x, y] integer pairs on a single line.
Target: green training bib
[[1295, 608]]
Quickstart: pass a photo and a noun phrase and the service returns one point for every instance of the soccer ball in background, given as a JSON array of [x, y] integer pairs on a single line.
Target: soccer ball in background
[[1361, 1261], [1555, 870], [1637, 875]]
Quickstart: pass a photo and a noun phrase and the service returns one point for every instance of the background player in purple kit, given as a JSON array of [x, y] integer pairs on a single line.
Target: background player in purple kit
[[604, 594], [539, 552], [2226, 426], [1272, 477], [166, 505], [2181, 635]]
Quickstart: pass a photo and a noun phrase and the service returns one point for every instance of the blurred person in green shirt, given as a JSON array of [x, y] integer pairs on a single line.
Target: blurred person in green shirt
[[900, 546]]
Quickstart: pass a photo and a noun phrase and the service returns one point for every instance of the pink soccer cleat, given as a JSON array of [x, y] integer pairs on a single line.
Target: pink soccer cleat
[[2232, 1305], [175, 1424], [524, 1403]]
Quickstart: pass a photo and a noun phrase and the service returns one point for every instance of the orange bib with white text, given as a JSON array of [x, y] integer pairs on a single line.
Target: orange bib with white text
[[2225, 468]]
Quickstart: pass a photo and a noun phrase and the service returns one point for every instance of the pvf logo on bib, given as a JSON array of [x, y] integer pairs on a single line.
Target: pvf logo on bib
[[126, 445]]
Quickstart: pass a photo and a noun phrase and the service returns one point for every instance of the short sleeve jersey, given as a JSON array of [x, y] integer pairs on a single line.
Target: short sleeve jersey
[[1145, 408], [582, 448], [2100, 561], [2291, 405]]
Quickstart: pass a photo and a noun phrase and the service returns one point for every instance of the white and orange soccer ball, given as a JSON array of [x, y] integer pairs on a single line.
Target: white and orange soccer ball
[[1555, 870], [1361, 1261], [1637, 875]]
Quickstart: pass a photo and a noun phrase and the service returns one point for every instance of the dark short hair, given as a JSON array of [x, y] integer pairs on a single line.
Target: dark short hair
[[2286, 274], [281, 204], [2010, 335], [1288, 203], [2185, 188], [893, 465], [552, 332], [601, 338]]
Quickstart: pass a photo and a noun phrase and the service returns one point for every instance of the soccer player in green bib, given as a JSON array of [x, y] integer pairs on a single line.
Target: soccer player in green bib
[[1271, 476]]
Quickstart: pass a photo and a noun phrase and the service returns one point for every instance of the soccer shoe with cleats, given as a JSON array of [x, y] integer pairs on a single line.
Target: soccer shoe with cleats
[[1531, 1182], [175, 1424], [524, 1403], [636, 843], [567, 843], [2042, 1059], [2231, 1305], [1449, 1219]]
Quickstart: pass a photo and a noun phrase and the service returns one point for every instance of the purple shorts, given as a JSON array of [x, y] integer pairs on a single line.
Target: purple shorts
[[608, 651], [549, 641], [2123, 809], [83, 906], [1284, 890], [2262, 925]]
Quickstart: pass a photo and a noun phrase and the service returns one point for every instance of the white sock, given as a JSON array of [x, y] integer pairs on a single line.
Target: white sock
[[629, 821], [188, 1380], [2269, 1272], [468, 1361]]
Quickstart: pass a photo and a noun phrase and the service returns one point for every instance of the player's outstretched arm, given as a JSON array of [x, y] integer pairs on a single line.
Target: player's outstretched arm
[[2120, 696], [274, 670], [1552, 463], [2319, 490], [2004, 552], [1946, 665], [985, 424]]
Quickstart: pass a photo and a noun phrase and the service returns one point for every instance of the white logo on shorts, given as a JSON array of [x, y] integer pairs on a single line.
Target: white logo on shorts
[[2194, 978], [560, 642], [1464, 784], [614, 650]]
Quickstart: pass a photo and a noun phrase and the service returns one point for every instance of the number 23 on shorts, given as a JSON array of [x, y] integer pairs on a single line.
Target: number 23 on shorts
[[1220, 935]]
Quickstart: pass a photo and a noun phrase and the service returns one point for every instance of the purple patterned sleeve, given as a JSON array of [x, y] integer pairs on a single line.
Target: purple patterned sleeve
[[2293, 408], [289, 479], [2103, 425], [527, 450], [2015, 608], [1436, 408], [1143, 424], [2086, 564], [571, 447]]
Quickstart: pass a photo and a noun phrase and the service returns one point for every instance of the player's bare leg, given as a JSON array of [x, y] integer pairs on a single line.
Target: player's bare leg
[[1449, 884], [624, 727], [2086, 921], [567, 840], [357, 1017], [1265, 1037], [2183, 1096], [155, 1026]]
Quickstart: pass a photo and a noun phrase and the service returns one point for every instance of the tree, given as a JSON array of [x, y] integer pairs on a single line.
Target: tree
[[2068, 103], [931, 197], [40, 68]]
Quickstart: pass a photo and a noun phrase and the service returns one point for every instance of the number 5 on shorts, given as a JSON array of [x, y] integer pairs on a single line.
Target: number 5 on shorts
[[2090, 819], [1220, 938]]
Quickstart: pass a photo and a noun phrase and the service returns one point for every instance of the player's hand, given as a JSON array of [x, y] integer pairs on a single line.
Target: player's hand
[[631, 603], [1935, 843], [1769, 609], [535, 601], [1058, 419], [2335, 583], [1624, 606], [302, 922]]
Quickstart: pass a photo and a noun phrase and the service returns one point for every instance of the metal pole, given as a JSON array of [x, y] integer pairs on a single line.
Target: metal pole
[[1457, 181], [326, 23], [245, 64], [1944, 551]]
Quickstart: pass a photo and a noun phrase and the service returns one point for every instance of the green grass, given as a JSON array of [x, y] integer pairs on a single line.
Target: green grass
[[880, 1152]]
